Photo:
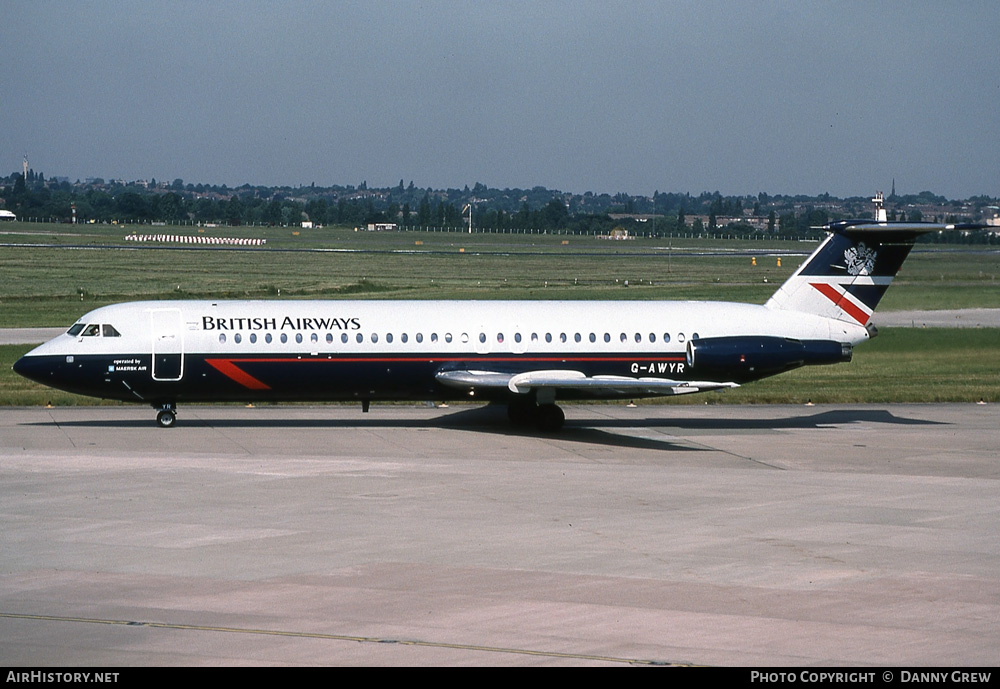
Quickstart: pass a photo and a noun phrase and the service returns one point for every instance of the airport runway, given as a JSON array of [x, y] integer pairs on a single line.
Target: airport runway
[[717, 535]]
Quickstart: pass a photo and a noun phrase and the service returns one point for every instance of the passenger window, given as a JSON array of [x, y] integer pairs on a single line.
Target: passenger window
[[680, 337], [652, 337], [465, 337], [500, 338], [268, 338], [253, 338], [343, 337], [548, 337], [75, 330], [360, 338], [666, 337], [638, 337], [329, 338], [534, 337], [694, 336], [109, 331], [284, 338], [482, 337], [593, 337], [222, 338], [517, 337], [374, 337], [314, 338], [298, 338], [607, 337], [388, 337], [237, 338], [434, 337], [562, 337], [624, 337], [420, 337], [404, 337], [447, 337]]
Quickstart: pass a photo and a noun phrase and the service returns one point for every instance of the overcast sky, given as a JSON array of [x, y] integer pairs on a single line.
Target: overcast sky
[[736, 96]]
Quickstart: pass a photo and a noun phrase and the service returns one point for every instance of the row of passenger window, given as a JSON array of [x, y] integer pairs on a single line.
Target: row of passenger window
[[464, 337]]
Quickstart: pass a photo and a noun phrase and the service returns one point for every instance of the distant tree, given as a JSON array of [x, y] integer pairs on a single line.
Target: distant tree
[[424, 211], [554, 214], [234, 212]]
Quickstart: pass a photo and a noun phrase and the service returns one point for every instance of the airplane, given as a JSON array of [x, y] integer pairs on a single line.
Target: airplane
[[526, 354]]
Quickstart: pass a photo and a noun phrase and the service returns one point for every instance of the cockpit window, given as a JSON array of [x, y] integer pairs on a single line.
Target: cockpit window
[[75, 330], [92, 330], [110, 331]]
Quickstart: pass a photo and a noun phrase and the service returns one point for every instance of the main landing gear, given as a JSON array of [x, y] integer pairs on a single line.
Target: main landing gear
[[166, 414], [545, 417]]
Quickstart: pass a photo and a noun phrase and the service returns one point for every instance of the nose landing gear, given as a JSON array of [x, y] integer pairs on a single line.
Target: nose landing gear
[[166, 415]]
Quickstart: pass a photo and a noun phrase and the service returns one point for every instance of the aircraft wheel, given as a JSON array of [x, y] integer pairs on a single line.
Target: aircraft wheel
[[166, 418], [521, 413], [550, 417]]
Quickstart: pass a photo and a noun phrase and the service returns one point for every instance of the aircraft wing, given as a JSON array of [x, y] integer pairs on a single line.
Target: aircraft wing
[[598, 386]]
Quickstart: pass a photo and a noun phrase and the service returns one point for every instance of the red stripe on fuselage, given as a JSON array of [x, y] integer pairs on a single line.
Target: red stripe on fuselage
[[841, 300], [472, 358], [227, 368]]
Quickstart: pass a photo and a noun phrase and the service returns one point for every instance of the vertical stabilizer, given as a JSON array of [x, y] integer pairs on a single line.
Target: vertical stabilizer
[[847, 275]]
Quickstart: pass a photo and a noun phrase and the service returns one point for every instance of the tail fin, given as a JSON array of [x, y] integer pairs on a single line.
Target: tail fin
[[847, 275]]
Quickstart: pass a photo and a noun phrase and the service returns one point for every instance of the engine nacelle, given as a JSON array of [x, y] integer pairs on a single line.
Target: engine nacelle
[[745, 358]]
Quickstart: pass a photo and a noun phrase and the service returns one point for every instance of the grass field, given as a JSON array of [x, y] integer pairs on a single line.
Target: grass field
[[52, 285], [49, 286]]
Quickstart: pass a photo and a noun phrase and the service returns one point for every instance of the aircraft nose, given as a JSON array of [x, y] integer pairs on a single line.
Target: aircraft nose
[[27, 367]]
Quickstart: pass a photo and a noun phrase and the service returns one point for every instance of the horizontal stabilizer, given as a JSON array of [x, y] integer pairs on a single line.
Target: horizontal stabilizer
[[898, 228]]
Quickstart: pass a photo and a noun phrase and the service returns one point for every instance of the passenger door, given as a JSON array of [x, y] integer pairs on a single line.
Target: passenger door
[[168, 344]]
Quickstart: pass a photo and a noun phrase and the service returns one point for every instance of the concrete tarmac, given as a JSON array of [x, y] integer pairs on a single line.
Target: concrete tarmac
[[717, 535]]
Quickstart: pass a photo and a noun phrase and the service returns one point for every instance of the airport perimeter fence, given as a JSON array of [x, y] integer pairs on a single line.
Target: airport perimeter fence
[[754, 236]]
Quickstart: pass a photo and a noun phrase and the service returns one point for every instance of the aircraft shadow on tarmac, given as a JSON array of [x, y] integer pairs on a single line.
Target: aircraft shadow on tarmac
[[600, 430]]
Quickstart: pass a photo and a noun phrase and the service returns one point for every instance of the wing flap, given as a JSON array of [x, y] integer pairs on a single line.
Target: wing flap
[[603, 385], [598, 386]]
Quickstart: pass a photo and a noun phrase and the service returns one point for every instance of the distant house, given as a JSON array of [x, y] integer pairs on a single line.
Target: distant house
[[7, 215], [380, 226]]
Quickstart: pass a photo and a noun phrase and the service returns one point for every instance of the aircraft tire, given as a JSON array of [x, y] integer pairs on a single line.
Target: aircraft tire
[[521, 413], [166, 418], [550, 418]]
